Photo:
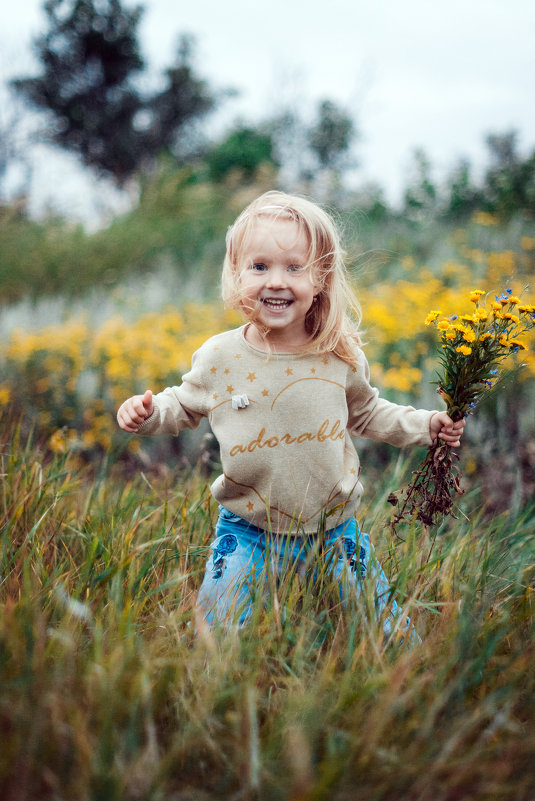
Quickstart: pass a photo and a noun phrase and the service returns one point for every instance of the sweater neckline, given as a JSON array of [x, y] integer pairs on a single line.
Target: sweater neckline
[[292, 354]]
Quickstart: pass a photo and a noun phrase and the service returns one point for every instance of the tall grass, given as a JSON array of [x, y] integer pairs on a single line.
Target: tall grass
[[106, 692]]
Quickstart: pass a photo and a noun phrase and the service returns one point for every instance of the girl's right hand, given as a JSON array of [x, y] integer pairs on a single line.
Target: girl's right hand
[[134, 410]]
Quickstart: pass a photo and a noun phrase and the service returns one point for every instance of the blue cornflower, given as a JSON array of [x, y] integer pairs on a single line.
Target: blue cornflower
[[504, 295], [471, 408]]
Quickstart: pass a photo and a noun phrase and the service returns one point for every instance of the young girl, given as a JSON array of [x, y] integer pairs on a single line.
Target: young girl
[[284, 394]]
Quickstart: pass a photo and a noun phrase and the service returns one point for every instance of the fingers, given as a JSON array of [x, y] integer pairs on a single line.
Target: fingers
[[451, 432], [450, 439], [443, 427], [134, 411], [147, 400]]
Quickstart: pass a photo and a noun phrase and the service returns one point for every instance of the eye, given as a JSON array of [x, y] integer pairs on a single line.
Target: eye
[[296, 268], [258, 267]]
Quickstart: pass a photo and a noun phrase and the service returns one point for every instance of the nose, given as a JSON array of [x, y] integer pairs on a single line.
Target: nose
[[277, 277]]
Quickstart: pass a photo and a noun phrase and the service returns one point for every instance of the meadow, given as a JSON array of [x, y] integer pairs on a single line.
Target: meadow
[[107, 694]]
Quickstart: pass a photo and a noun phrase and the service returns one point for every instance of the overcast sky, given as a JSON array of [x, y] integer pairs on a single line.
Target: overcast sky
[[414, 73]]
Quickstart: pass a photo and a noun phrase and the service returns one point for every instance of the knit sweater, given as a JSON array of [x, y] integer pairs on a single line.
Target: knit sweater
[[287, 454]]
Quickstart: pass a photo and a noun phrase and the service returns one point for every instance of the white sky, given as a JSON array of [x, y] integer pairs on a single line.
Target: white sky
[[414, 73]]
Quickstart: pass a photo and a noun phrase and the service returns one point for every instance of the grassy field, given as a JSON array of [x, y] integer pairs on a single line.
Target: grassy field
[[106, 693]]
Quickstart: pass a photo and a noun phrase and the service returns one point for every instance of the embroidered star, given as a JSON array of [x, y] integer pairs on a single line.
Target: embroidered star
[[289, 371], [353, 471], [226, 371], [250, 506], [325, 360], [230, 389], [216, 347], [215, 396], [237, 356], [213, 369], [251, 377], [312, 369], [265, 392], [354, 369]]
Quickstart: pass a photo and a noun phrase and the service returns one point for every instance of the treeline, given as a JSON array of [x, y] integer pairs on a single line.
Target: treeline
[[189, 186], [506, 187], [100, 104]]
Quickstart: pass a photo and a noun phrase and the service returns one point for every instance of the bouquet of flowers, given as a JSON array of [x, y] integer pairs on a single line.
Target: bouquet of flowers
[[473, 348]]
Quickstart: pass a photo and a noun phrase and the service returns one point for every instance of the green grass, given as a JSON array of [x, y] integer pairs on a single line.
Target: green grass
[[106, 693]]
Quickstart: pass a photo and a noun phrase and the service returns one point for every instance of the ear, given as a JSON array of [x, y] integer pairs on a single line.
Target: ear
[[316, 288]]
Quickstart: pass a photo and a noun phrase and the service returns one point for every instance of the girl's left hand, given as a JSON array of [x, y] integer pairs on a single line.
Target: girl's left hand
[[441, 425]]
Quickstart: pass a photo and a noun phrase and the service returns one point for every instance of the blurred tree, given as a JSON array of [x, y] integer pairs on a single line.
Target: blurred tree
[[509, 183], [330, 137], [462, 196], [370, 200], [420, 197], [172, 113], [244, 149], [90, 56]]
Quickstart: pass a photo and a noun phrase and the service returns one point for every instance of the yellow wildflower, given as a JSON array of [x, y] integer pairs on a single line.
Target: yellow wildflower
[[461, 328], [475, 294], [464, 349], [444, 325], [432, 316], [484, 218], [58, 442]]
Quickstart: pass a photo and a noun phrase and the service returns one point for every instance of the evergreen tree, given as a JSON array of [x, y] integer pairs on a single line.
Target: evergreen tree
[[421, 196], [509, 184], [331, 135], [90, 58], [462, 195]]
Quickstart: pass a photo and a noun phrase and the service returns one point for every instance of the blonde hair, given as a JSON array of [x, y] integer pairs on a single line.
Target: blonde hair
[[333, 319]]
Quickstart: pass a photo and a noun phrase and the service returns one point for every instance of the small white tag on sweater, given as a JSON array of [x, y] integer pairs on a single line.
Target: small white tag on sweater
[[240, 401]]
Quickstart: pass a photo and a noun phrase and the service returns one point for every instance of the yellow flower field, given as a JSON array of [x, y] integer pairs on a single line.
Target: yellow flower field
[[71, 377]]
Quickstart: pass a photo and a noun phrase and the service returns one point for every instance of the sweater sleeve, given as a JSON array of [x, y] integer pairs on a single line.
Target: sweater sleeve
[[376, 418], [179, 407]]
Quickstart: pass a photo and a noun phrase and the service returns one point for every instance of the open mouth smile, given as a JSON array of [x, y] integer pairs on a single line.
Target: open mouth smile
[[277, 303]]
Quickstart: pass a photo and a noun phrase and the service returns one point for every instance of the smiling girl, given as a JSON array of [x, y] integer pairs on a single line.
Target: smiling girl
[[285, 394]]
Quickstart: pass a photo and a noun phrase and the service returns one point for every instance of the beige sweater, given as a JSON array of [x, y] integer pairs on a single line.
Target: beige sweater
[[288, 454]]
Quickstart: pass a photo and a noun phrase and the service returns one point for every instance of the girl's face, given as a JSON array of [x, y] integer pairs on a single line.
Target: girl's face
[[277, 282]]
